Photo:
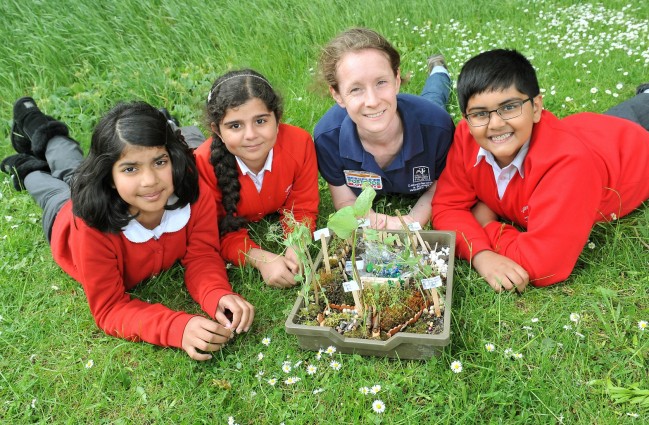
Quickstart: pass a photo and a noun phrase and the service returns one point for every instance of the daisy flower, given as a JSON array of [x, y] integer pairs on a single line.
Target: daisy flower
[[574, 317], [311, 369], [591, 245], [292, 380], [330, 350], [508, 352], [231, 421], [364, 390], [456, 366], [260, 356], [375, 389], [286, 368], [567, 327], [319, 355], [90, 363], [266, 341], [490, 347], [518, 356], [335, 365], [534, 319], [378, 406], [642, 325], [272, 381], [318, 390]]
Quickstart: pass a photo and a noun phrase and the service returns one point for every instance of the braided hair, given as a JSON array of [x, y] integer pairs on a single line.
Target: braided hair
[[232, 90]]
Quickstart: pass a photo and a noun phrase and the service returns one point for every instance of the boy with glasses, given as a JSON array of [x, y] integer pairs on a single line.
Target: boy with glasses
[[513, 161]]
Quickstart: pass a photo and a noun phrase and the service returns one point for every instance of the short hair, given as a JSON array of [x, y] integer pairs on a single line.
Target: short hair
[[496, 70], [232, 90], [94, 197], [354, 40]]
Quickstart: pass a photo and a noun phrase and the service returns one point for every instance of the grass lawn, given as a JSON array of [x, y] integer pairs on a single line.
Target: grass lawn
[[581, 352]]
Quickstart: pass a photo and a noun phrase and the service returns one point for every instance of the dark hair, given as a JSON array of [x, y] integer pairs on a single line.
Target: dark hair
[[232, 90], [496, 70], [354, 40], [94, 198]]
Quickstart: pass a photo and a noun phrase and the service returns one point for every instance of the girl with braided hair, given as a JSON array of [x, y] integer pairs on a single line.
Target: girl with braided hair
[[256, 167]]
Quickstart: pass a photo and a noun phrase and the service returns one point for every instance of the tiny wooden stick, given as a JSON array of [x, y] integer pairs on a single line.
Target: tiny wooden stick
[[323, 241], [435, 294], [357, 301]]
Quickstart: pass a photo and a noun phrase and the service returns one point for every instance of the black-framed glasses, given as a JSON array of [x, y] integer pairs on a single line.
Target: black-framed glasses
[[506, 112]]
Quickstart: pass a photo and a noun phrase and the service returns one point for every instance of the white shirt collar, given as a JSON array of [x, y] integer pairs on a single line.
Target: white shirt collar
[[172, 221], [517, 162], [257, 179]]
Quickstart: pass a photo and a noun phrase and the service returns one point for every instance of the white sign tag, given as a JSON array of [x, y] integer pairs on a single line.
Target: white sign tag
[[364, 223], [319, 232], [350, 286], [431, 282], [414, 226]]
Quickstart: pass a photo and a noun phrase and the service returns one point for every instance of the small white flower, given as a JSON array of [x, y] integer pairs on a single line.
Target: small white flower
[[335, 365], [272, 381], [613, 217], [518, 356], [286, 368], [90, 363], [54, 287], [318, 390], [260, 374], [375, 389], [534, 319], [266, 341], [311, 369], [591, 245], [527, 328], [642, 325], [364, 390], [568, 99], [318, 356], [34, 403], [378, 406], [330, 350], [260, 357], [296, 365], [619, 86], [489, 347], [508, 352], [593, 90], [292, 380], [456, 366], [633, 415], [574, 317], [580, 335], [230, 420], [567, 327]]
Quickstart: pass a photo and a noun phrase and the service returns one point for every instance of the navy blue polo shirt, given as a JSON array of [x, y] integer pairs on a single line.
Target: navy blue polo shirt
[[427, 136]]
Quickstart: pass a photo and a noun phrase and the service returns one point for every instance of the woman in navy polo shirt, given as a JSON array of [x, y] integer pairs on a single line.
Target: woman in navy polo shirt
[[395, 142]]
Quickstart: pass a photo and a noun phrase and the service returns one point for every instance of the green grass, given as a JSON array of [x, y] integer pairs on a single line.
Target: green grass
[[78, 58]]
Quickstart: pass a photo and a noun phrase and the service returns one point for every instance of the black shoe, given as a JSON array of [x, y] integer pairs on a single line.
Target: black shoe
[[169, 117], [642, 88], [32, 129], [20, 165]]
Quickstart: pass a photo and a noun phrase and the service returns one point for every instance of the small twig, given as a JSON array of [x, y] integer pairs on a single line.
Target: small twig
[[323, 241]]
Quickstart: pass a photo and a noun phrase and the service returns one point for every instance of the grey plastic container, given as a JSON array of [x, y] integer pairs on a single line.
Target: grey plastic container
[[402, 345]]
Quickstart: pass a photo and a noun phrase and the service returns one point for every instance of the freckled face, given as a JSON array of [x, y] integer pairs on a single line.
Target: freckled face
[[368, 88], [143, 178], [249, 131], [504, 138]]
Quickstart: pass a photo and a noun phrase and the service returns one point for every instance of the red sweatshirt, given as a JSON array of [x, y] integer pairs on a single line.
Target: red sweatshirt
[[291, 185], [107, 265], [579, 170]]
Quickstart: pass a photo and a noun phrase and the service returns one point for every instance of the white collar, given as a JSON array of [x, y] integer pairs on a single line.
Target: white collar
[[267, 165], [517, 162], [172, 221]]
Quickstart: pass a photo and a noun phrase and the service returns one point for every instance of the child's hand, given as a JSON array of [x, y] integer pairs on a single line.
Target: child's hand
[[500, 272], [292, 257], [277, 270], [242, 313], [205, 335]]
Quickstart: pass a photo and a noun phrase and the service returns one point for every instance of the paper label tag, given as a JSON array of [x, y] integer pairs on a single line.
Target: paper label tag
[[348, 266], [364, 223], [414, 226], [350, 286], [431, 282], [319, 232]]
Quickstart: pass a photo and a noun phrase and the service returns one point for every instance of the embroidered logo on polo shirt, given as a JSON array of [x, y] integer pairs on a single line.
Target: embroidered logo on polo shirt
[[420, 174], [358, 178]]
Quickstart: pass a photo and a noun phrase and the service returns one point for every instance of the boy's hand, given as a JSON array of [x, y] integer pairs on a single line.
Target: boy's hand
[[483, 214], [500, 272], [204, 335], [242, 311], [277, 270]]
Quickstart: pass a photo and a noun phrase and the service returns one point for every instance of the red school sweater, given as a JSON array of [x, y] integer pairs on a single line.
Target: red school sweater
[[579, 170], [291, 185], [107, 265]]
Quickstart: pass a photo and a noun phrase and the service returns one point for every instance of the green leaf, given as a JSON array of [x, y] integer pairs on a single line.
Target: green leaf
[[364, 201], [343, 222]]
